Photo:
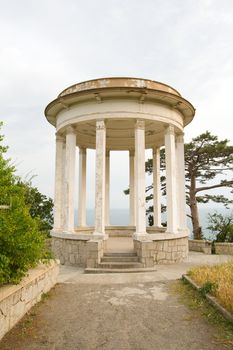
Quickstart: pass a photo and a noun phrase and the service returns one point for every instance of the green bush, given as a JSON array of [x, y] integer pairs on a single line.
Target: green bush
[[221, 226], [22, 243]]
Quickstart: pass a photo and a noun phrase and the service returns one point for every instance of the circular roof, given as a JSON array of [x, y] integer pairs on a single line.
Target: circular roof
[[118, 82], [119, 87]]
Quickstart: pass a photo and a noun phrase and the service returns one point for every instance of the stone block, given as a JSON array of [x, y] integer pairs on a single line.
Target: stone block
[[150, 263], [171, 243], [91, 262], [160, 246], [161, 255], [175, 256], [146, 253], [168, 255], [92, 246], [165, 245], [72, 259], [92, 253], [62, 259]]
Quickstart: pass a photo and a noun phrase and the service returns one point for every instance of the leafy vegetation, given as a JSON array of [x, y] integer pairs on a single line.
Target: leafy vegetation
[[221, 226], [22, 242], [40, 206]]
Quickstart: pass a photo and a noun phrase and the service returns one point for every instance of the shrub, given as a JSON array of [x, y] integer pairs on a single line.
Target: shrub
[[22, 244], [221, 226]]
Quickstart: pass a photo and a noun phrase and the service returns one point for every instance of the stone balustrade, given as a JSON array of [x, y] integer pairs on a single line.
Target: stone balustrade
[[198, 245], [223, 248]]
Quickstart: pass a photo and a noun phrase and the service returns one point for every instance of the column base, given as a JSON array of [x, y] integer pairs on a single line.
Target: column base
[[68, 232], [141, 236], [99, 235], [62, 230], [55, 229]]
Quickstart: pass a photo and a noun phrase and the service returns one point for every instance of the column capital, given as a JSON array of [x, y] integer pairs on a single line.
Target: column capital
[[70, 130], [170, 130], [180, 138], [155, 149], [82, 150], [59, 138], [131, 152], [140, 124], [100, 125]]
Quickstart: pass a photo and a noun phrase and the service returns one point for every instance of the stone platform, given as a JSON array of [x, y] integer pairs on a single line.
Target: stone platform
[[84, 250]]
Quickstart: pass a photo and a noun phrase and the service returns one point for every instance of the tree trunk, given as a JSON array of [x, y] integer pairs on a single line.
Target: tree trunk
[[197, 230]]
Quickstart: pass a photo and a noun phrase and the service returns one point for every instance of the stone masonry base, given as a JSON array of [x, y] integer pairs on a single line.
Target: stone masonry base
[[70, 251], [164, 251], [83, 252], [223, 248], [86, 251], [197, 245]]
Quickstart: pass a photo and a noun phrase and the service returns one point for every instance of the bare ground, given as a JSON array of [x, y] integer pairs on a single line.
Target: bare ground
[[133, 316]]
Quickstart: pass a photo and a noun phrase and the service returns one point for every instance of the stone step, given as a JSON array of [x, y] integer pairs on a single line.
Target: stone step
[[120, 265], [122, 254], [119, 258], [126, 270]]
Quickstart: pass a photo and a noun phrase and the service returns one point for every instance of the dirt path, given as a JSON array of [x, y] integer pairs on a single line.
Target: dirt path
[[135, 316]]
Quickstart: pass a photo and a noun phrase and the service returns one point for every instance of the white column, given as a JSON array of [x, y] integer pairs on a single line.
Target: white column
[[82, 187], [70, 178], [156, 187], [140, 178], [58, 193], [107, 188], [100, 178], [181, 197], [63, 213], [131, 188], [171, 179]]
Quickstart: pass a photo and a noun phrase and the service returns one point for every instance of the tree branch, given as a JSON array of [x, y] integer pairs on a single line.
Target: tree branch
[[222, 184]]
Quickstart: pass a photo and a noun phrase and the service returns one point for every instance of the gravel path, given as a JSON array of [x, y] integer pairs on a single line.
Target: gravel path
[[131, 316]]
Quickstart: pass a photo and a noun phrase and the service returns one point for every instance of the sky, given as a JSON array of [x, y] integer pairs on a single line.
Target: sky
[[48, 45]]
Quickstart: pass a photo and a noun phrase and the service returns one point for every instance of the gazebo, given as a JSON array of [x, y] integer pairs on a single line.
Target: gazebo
[[114, 114]]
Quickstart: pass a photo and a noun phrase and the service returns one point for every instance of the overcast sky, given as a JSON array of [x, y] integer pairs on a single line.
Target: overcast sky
[[48, 45]]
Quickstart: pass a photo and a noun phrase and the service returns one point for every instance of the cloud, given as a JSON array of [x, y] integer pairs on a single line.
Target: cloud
[[48, 45]]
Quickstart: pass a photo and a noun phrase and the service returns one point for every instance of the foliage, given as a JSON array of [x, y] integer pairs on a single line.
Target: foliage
[[208, 288], [22, 244], [40, 206], [221, 226], [205, 158]]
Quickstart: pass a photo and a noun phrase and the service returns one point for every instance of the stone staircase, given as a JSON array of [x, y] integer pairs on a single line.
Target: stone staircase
[[119, 262]]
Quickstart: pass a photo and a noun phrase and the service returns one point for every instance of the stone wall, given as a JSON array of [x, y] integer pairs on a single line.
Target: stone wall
[[197, 245], [95, 251], [120, 231], [16, 300], [166, 251], [223, 248], [70, 251]]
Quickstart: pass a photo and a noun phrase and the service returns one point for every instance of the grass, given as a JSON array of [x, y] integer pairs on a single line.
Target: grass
[[216, 280], [201, 308]]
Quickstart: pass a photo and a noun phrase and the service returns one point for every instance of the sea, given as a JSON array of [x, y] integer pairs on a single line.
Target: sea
[[121, 217]]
